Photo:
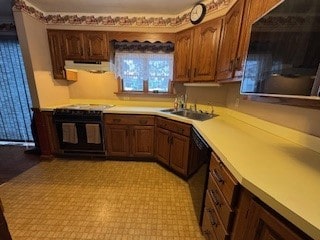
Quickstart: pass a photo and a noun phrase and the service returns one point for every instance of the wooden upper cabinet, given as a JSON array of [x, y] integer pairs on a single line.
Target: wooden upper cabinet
[[183, 55], [74, 47], [196, 52], [205, 50], [85, 45], [228, 60], [96, 45], [56, 50]]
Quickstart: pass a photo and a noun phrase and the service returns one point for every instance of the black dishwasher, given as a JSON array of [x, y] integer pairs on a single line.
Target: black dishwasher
[[199, 160]]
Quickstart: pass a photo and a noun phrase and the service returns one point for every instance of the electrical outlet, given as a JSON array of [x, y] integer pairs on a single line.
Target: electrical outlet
[[237, 102]]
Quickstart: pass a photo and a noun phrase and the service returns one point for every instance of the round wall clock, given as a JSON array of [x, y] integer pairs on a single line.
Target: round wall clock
[[197, 13]]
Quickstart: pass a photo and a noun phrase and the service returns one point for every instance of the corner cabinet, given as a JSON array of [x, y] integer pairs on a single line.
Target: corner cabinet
[[196, 52], [229, 60], [172, 144], [129, 135]]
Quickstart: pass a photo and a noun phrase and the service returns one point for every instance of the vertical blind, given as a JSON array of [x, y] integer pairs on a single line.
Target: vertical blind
[[15, 100]]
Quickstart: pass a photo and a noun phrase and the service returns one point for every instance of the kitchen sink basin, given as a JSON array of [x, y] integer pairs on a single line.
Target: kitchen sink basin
[[194, 115]]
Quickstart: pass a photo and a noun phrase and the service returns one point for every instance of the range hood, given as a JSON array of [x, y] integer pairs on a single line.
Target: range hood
[[90, 66]]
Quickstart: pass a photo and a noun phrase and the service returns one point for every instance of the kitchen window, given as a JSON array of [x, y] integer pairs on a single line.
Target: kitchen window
[[144, 71]]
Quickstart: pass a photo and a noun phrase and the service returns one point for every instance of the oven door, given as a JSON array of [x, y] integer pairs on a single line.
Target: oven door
[[80, 137]]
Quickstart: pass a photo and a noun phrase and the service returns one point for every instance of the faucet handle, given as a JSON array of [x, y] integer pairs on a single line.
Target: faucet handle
[[211, 105]]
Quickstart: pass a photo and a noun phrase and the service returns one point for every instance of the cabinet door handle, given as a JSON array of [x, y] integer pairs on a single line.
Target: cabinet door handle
[[238, 64], [213, 221], [63, 73], [215, 198], [217, 176], [231, 65], [116, 120]]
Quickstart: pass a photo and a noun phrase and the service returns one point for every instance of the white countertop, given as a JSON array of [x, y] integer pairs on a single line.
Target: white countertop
[[283, 173]]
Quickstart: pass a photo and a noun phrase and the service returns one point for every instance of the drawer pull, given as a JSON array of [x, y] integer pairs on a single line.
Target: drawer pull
[[215, 198], [211, 218], [116, 120], [217, 176], [143, 121]]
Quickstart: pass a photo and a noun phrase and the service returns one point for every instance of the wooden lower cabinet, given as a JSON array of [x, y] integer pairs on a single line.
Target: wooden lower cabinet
[[142, 141], [172, 145], [117, 140], [46, 133], [129, 135], [179, 153], [256, 221]]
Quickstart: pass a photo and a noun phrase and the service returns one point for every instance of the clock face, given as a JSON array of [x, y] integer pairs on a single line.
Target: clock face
[[197, 13]]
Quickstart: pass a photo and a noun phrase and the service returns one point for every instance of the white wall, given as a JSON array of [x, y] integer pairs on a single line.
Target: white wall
[[302, 119], [33, 39]]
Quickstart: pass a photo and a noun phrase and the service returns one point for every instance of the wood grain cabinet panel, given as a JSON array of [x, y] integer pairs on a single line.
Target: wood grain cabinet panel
[[163, 146], [172, 144], [179, 153], [143, 141], [205, 51], [196, 52], [183, 56], [228, 60], [74, 45], [57, 56], [117, 140], [129, 135], [96, 45]]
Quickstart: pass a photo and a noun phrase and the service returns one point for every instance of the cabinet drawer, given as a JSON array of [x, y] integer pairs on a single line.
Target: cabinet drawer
[[129, 119], [211, 218], [220, 204], [180, 128], [224, 179]]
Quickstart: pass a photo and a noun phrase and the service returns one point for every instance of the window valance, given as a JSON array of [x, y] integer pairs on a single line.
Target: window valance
[[135, 46]]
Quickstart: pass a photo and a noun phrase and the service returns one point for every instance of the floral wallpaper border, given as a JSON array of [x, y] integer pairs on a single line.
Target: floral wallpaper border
[[20, 5]]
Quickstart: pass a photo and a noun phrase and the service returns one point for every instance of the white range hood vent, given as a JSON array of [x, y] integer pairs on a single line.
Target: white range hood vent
[[90, 66]]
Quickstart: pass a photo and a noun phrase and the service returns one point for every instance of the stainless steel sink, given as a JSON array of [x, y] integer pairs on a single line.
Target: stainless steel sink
[[194, 115]]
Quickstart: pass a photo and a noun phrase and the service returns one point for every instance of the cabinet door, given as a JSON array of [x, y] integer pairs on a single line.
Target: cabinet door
[[117, 140], [183, 56], [142, 140], [179, 153], [51, 132], [163, 146], [56, 52], [265, 226], [229, 45], [73, 43], [205, 50], [96, 45]]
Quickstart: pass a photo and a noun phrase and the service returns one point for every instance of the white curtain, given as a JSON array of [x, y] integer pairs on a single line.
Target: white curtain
[[134, 68]]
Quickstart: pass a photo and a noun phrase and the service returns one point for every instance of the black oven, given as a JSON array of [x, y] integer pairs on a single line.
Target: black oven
[[80, 131]]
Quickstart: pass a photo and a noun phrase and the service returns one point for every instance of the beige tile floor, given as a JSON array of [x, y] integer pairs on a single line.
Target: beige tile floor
[[73, 199]]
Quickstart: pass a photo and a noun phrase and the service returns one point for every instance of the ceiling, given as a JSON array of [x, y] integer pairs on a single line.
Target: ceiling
[[155, 7]]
